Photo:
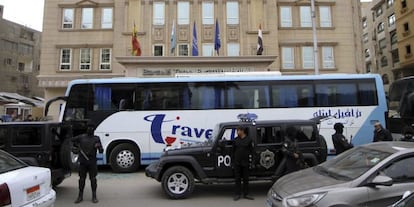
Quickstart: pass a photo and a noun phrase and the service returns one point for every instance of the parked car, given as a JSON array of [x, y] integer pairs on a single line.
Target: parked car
[[407, 200], [210, 162], [375, 174], [24, 185]]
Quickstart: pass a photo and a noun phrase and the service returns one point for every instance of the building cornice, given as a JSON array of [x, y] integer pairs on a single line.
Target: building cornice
[[154, 60]]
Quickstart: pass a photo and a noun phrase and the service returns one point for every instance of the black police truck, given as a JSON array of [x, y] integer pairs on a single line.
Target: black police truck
[[211, 161]]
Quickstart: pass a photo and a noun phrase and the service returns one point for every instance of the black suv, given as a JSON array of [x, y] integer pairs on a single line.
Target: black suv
[[210, 162], [38, 144]]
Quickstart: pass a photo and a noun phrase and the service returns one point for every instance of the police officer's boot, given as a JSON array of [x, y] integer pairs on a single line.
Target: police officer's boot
[[81, 187], [94, 185]]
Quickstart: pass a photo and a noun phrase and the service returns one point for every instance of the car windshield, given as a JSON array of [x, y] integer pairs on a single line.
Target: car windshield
[[352, 163], [9, 163]]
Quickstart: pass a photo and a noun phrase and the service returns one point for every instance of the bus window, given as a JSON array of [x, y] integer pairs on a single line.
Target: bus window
[[367, 94], [293, 95], [204, 96], [110, 97], [336, 94], [247, 95]]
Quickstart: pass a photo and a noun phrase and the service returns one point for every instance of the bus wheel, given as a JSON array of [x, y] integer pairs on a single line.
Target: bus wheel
[[178, 182], [125, 158]]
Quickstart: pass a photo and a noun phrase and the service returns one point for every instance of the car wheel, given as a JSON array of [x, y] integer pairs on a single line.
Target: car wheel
[[125, 158], [68, 159], [178, 182], [57, 181]]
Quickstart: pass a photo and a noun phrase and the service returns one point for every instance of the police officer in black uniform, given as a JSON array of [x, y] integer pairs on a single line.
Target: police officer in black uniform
[[242, 149], [87, 145], [340, 143], [290, 150]]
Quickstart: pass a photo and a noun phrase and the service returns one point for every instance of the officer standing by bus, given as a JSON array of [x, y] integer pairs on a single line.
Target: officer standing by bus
[[340, 143], [242, 149], [87, 145]]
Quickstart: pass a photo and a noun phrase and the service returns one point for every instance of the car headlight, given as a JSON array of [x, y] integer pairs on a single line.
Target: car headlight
[[274, 195], [304, 200]]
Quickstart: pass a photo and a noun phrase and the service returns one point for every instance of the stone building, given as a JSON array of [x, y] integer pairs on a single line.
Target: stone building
[[19, 58], [387, 38], [92, 39]]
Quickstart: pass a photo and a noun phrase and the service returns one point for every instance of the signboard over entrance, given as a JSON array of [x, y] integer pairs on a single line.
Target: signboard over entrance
[[193, 70]]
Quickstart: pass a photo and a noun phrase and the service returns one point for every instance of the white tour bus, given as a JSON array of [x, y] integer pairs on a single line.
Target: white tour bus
[[136, 118]]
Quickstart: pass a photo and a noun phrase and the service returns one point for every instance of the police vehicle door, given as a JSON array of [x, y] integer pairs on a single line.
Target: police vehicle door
[[224, 152], [267, 157]]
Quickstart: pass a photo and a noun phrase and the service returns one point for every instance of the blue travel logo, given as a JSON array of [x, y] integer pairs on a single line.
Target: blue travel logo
[[184, 132]]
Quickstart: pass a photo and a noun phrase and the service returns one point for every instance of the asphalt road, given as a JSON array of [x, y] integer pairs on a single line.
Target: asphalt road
[[135, 189]]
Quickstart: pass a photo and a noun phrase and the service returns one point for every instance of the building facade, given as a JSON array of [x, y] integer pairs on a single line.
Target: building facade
[[387, 38], [404, 12], [19, 58], [92, 39]]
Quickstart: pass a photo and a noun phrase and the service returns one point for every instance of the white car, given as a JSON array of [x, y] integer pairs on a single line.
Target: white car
[[23, 185]]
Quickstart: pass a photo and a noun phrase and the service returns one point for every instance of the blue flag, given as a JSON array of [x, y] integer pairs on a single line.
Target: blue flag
[[195, 44], [217, 43], [173, 38]]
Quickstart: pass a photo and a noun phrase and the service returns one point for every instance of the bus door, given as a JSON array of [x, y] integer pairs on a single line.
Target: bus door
[[224, 152], [267, 155]]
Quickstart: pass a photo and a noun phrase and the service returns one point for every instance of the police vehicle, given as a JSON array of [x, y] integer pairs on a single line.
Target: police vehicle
[[211, 162]]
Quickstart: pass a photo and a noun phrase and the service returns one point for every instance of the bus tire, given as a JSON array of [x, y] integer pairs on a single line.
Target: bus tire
[[324, 149], [68, 159], [178, 182], [125, 158]]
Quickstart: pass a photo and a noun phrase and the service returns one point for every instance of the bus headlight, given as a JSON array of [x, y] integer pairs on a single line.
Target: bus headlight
[[304, 200]]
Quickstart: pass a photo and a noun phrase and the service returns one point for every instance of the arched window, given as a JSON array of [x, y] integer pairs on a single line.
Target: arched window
[[385, 79], [367, 53], [381, 27], [384, 61]]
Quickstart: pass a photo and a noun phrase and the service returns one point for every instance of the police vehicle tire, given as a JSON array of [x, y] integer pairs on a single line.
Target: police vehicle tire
[[324, 149], [125, 158], [67, 157], [178, 182]]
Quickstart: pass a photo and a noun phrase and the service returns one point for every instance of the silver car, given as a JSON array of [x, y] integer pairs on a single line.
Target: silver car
[[375, 174]]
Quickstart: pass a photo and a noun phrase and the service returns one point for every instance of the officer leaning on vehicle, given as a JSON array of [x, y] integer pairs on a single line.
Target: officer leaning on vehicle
[[86, 146], [294, 158]]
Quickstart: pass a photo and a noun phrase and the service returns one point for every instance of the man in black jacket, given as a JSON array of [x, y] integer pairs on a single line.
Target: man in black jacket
[[381, 134], [87, 145], [243, 149], [340, 143]]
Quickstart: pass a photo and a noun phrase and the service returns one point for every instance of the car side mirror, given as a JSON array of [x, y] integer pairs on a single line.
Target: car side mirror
[[381, 180]]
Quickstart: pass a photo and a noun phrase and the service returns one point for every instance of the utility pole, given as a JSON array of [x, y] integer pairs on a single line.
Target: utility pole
[[315, 39]]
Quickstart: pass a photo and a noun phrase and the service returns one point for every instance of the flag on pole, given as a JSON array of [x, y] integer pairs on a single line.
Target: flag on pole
[[195, 44], [260, 41], [136, 47], [217, 43], [173, 38]]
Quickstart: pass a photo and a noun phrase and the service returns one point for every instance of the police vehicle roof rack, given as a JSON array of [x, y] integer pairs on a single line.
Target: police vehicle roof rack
[[248, 117]]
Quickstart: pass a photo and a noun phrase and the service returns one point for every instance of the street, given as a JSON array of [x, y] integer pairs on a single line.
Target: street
[[135, 189]]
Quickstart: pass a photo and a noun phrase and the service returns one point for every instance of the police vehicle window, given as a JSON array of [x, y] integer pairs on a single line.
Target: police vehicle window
[[401, 171], [268, 135], [229, 134], [27, 136], [305, 133], [3, 137]]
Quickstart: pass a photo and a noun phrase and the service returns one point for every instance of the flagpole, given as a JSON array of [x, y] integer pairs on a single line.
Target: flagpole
[[315, 39]]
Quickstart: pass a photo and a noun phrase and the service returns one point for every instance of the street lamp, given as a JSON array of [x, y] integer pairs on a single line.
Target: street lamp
[[315, 39]]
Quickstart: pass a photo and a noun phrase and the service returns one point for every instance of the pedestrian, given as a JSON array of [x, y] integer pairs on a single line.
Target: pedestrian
[[87, 145], [293, 157], [242, 151], [408, 133], [340, 143], [29, 118], [381, 133]]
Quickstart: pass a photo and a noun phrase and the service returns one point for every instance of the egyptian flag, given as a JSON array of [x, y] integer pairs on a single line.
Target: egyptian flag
[[136, 47], [260, 41]]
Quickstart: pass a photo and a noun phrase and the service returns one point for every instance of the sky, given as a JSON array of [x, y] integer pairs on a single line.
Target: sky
[[24, 12], [29, 12]]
